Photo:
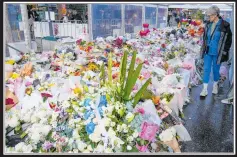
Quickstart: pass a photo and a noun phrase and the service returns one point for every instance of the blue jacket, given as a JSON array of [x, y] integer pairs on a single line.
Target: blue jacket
[[224, 42], [214, 41]]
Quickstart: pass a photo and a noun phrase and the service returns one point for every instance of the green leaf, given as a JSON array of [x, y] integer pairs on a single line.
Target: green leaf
[[102, 76], [23, 134], [131, 69], [110, 68], [123, 67], [140, 92], [132, 81]]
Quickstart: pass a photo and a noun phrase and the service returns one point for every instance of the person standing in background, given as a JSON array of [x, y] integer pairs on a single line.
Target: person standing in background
[[217, 40]]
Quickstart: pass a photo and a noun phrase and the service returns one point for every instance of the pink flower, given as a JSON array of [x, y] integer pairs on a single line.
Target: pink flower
[[145, 25], [147, 74], [148, 131], [164, 115], [141, 148], [28, 83], [187, 66], [141, 110], [170, 70]]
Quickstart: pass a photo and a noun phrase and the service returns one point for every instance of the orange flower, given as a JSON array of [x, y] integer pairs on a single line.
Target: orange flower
[[156, 99]]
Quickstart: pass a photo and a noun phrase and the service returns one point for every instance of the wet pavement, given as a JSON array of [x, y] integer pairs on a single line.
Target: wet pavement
[[209, 122]]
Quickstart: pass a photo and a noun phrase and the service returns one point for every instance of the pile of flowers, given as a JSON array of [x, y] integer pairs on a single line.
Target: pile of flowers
[[110, 95]]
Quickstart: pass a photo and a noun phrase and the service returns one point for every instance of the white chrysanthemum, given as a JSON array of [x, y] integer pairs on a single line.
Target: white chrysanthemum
[[43, 121], [46, 130], [135, 134], [19, 147], [35, 137], [81, 145], [75, 134], [75, 150], [129, 147], [27, 149], [130, 138], [13, 122], [108, 150], [34, 119], [168, 134]]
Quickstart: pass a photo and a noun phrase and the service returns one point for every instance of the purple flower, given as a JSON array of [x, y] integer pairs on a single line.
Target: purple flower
[[47, 145]]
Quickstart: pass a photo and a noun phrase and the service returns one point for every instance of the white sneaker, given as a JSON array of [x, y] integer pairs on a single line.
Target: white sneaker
[[227, 101], [215, 89], [204, 92]]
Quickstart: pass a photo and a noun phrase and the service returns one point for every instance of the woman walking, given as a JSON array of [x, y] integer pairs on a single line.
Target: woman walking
[[217, 39]]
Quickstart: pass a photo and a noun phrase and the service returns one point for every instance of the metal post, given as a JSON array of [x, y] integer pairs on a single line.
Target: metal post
[[143, 14], [156, 16], [50, 23], [26, 26], [90, 22], [123, 19]]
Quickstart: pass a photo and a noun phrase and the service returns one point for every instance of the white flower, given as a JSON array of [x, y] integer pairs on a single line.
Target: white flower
[[34, 119], [108, 150], [130, 138], [19, 147], [119, 128], [113, 124], [35, 137], [153, 145], [129, 147], [129, 117], [66, 104], [99, 148], [75, 134], [91, 89], [111, 133], [13, 122], [95, 137], [135, 134], [75, 151], [81, 145], [168, 134], [86, 151], [89, 148], [42, 114], [54, 116], [46, 130], [124, 126], [27, 149], [44, 121]]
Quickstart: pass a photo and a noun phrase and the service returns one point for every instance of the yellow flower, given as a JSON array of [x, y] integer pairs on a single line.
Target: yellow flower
[[51, 84], [41, 89], [15, 75], [10, 62], [77, 91]]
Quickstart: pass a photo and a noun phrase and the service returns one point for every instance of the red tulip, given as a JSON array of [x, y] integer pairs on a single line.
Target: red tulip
[[142, 33], [145, 25]]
